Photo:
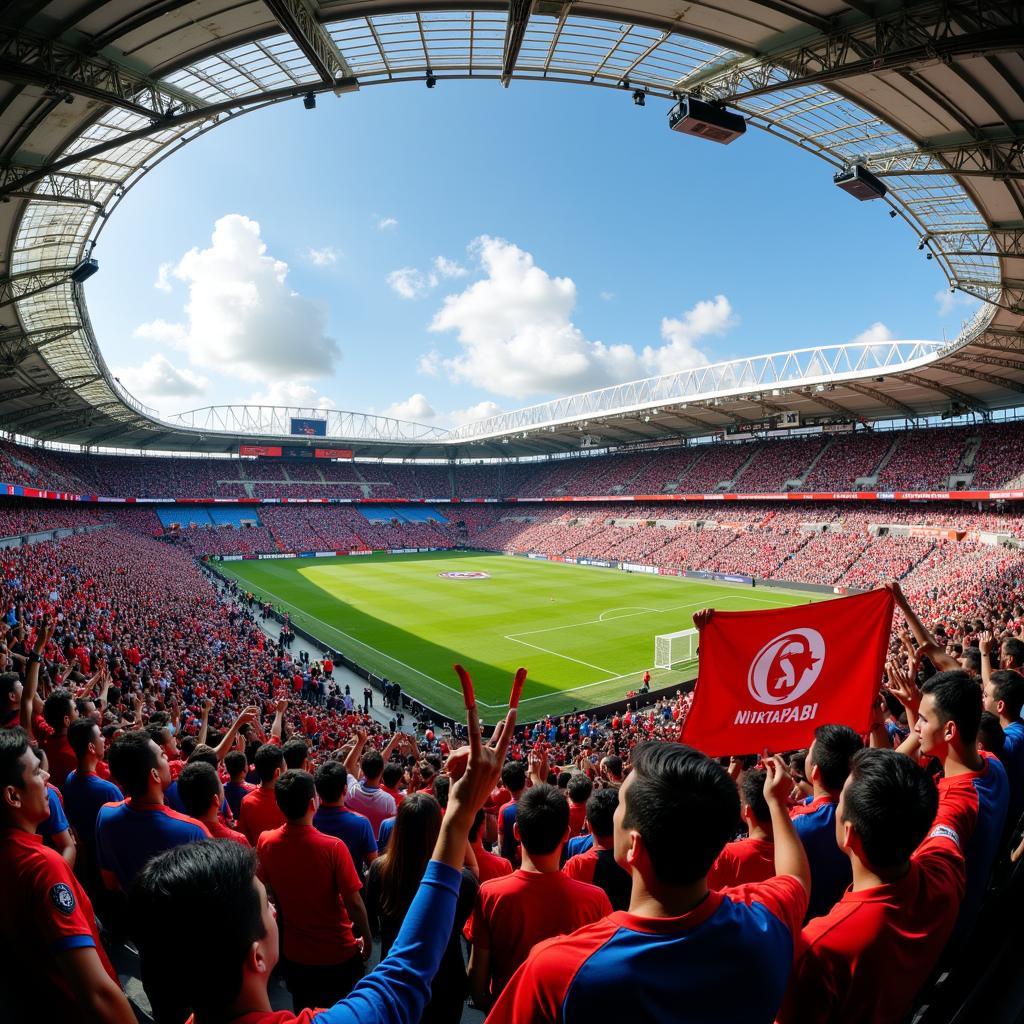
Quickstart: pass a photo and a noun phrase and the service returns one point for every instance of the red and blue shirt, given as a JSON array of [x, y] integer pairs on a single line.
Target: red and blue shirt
[[815, 824], [727, 960], [129, 835]]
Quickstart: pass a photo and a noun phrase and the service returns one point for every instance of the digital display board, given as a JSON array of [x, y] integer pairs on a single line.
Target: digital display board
[[259, 449], [309, 428], [333, 453]]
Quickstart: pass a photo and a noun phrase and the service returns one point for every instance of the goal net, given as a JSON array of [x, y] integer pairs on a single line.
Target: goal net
[[671, 649]]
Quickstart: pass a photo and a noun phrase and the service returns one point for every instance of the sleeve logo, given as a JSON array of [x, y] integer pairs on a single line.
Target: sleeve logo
[[945, 832], [63, 898]]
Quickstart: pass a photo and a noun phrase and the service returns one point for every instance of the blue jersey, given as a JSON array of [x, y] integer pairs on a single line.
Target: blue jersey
[[387, 826], [84, 794], [57, 822], [1013, 761], [508, 845], [233, 793], [815, 824], [129, 835], [352, 828], [725, 962], [578, 844]]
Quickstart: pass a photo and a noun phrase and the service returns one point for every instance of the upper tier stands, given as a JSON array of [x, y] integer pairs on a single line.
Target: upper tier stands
[[974, 457]]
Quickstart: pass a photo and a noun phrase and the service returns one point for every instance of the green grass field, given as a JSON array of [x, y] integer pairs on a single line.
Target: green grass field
[[585, 634]]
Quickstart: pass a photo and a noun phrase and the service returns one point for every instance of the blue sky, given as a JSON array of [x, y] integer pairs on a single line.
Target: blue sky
[[440, 254]]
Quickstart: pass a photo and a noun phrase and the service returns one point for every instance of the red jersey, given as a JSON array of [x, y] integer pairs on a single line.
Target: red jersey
[[259, 813], [310, 874], [43, 911], [870, 955], [577, 819], [218, 830], [490, 865], [514, 913], [60, 758], [741, 862]]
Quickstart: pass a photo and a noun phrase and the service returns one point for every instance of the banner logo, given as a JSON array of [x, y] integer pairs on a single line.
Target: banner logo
[[786, 667], [464, 575]]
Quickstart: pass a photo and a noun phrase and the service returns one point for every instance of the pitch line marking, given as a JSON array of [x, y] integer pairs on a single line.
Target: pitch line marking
[[605, 616], [587, 664]]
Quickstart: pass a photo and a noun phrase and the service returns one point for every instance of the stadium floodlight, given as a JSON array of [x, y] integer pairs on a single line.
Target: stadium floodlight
[[892, 213], [85, 270], [309, 101], [691, 116], [860, 183], [639, 97], [431, 80], [671, 649]]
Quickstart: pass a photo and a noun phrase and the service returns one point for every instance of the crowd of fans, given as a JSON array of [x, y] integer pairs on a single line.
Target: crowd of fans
[[983, 457], [225, 808]]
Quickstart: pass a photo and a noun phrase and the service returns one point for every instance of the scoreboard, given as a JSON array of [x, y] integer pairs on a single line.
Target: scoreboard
[[294, 451]]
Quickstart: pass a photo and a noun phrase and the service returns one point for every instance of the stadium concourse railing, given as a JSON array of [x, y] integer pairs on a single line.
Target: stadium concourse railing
[[422, 709]]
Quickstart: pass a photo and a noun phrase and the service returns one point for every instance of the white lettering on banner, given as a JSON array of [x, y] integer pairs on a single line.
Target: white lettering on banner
[[777, 716], [786, 667]]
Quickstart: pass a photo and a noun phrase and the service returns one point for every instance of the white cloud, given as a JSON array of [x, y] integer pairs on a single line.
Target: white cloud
[[243, 319], [410, 283], [948, 301], [418, 409], [876, 334], [430, 363], [386, 223], [449, 268], [294, 393], [607, 296], [517, 336], [415, 408], [325, 257], [161, 332], [709, 316], [156, 379], [163, 277]]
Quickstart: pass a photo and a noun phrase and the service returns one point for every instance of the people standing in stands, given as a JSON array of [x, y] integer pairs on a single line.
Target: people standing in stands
[[751, 859], [325, 933], [1003, 695], [680, 951], [333, 818], [826, 768], [578, 789], [515, 912], [392, 884], [513, 778], [236, 788], [202, 795], [128, 834], [59, 712], [365, 795], [259, 811], [597, 866], [48, 933]]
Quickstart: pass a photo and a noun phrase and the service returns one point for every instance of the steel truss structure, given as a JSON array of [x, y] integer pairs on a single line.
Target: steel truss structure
[[805, 90]]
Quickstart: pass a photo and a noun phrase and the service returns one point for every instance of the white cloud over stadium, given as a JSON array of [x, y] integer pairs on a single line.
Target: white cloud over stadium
[[517, 335]]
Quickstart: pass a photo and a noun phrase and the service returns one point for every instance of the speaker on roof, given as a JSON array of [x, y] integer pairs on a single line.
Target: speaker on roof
[[860, 183], [695, 117], [84, 270]]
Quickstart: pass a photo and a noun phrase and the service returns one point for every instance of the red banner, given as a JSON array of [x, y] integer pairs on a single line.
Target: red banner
[[770, 678], [333, 453], [260, 449]]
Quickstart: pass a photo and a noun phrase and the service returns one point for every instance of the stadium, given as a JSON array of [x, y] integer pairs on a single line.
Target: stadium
[[265, 602]]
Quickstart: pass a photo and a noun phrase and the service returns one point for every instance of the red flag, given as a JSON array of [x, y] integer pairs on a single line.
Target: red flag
[[770, 678]]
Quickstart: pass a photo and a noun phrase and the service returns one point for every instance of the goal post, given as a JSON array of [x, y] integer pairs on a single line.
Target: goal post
[[671, 649]]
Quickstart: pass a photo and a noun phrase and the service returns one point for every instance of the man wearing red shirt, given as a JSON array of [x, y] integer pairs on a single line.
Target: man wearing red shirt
[[680, 950], [47, 925], [872, 953], [202, 794], [578, 790], [751, 859], [514, 913], [259, 811], [59, 712], [316, 887], [597, 865]]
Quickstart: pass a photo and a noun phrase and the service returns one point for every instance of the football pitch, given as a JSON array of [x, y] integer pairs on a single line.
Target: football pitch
[[585, 634]]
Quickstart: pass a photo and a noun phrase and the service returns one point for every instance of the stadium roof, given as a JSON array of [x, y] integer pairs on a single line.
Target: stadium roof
[[928, 96]]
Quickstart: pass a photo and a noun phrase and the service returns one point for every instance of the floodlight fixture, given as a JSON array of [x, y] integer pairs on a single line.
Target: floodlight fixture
[[85, 270], [431, 80], [692, 116], [929, 256], [309, 101], [892, 213], [639, 97], [860, 183]]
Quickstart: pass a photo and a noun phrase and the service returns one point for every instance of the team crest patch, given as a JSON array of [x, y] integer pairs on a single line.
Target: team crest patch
[[63, 898], [464, 575]]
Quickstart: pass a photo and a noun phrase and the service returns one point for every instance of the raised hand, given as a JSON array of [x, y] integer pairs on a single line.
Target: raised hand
[[703, 617], [903, 687], [777, 782], [985, 643]]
